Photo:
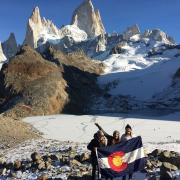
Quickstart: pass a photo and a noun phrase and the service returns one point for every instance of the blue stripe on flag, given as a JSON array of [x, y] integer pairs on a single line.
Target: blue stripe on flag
[[126, 147]]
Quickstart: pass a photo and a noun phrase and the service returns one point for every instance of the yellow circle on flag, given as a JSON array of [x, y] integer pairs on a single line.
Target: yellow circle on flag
[[117, 160]]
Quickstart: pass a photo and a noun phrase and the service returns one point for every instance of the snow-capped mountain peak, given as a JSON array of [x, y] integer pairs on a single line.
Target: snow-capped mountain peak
[[42, 30]]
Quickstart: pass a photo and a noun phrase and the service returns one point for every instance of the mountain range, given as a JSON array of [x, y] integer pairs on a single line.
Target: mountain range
[[126, 71]]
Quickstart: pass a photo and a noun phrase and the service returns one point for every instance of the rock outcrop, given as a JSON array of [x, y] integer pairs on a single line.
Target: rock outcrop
[[158, 35], [88, 19], [131, 31], [10, 46]]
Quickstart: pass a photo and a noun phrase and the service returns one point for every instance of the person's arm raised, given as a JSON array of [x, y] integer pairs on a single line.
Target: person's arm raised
[[100, 128]]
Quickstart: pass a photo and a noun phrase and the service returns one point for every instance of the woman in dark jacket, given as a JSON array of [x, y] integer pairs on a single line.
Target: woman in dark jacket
[[114, 139], [99, 140]]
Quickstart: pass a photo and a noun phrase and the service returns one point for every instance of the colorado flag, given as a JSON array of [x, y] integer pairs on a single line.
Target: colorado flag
[[121, 159]]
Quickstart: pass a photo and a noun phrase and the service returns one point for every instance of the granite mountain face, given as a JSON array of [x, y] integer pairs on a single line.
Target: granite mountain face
[[131, 70]]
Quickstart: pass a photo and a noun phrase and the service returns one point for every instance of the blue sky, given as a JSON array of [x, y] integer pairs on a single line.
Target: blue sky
[[116, 14]]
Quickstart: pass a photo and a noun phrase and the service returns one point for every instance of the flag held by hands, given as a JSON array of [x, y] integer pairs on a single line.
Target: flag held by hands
[[121, 159]]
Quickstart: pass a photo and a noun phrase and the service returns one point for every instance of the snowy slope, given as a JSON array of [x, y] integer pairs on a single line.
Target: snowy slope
[[155, 131], [143, 84], [141, 71], [71, 31]]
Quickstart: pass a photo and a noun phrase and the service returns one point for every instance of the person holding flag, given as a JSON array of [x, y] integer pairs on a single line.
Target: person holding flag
[[122, 159], [125, 137], [114, 139], [128, 133], [99, 140]]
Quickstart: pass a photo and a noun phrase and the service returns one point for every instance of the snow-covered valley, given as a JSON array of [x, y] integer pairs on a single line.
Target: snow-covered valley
[[159, 131]]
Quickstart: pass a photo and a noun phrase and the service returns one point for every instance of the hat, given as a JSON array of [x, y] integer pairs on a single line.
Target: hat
[[128, 126]]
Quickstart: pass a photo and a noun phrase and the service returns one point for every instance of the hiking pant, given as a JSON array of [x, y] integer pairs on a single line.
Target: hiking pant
[[130, 177], [94, 168]]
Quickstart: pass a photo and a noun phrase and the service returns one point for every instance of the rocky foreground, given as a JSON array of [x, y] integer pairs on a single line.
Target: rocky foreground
[[51, 159]]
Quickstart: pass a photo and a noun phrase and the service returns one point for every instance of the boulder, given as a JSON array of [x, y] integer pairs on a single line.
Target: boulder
[[155, 153], [41, 165], [165, 170], [35, 156], [43, 177], [17, 165], [169, 167], [75, 163], [84, 157], [2, 162]]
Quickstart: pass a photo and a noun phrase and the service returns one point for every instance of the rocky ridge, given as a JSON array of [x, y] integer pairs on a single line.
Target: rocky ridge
[[27, 90]]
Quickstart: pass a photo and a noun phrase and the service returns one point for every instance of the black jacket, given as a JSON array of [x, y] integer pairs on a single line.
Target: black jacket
[[94, 144], [111, 140]]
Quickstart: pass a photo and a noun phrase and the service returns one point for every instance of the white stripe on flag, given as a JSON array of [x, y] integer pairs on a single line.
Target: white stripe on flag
[[127, 158]]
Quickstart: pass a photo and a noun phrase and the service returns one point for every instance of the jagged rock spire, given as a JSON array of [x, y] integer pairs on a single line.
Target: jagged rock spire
[[34, 28], [88, 19], [37, 28], [10, 46]]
